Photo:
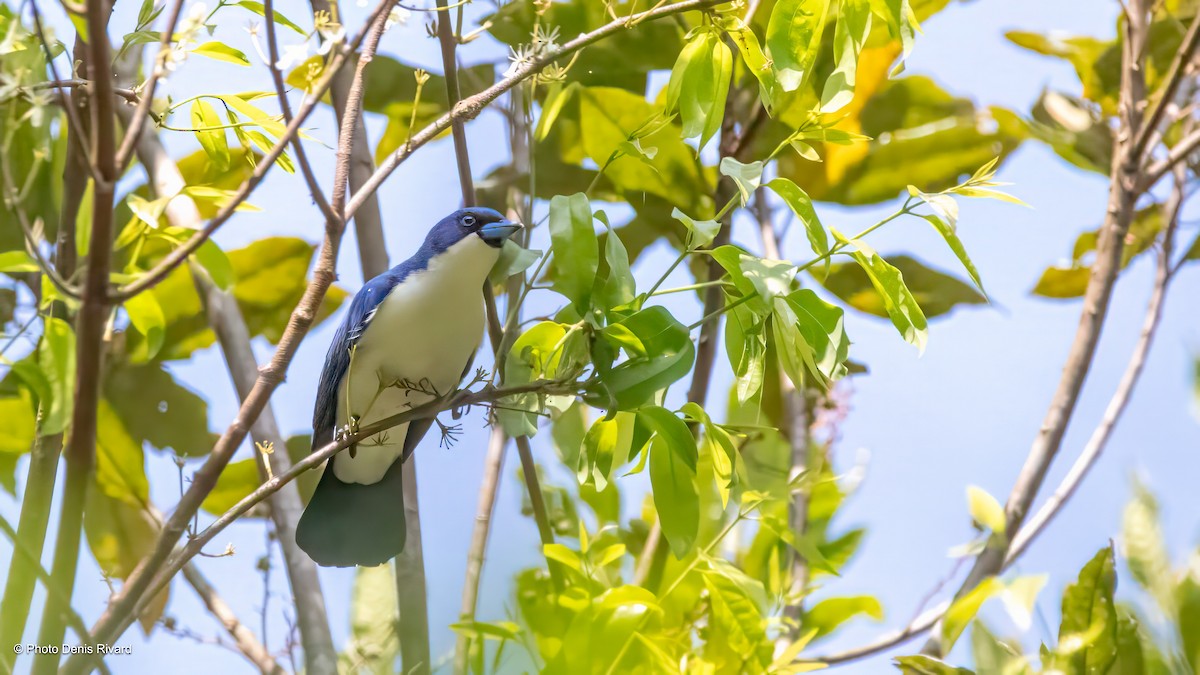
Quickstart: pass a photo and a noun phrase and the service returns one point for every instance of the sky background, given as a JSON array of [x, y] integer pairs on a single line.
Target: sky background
[[963, 413]]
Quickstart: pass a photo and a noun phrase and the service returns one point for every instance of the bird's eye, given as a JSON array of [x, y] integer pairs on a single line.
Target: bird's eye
[[468, 221]]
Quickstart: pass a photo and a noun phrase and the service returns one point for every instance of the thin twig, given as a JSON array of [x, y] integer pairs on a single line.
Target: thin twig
[[285, 107], [242, 636], [129, 143], [1175, 75]]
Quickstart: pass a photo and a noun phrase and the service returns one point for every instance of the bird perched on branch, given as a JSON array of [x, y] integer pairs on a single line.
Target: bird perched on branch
[[409, 336]]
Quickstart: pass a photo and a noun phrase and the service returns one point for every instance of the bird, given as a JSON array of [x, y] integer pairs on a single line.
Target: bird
[[409, 336]]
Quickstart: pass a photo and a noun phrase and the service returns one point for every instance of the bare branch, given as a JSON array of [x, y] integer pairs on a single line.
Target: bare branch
[[285, 107], [134, 132], [245, 640], [1175, 74], [1180, 152]]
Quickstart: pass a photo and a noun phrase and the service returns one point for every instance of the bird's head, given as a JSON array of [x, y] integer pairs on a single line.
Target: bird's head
[[487, 224]]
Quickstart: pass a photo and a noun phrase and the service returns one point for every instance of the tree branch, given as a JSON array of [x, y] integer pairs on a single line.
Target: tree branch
[[243, 637], [1179, 67], [134, 131], [1122, 198], [93, 313]]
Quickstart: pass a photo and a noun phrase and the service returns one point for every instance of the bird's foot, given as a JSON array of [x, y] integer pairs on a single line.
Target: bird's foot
[[450, 433]]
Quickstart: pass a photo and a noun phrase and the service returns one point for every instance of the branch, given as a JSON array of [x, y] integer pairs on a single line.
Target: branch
[[1179, 66], [181, 252], [227, 322], [1120, 398], [117, 616], [470, 107], [93, 314], [1122, 198], [285, 107], [1179, 153], [243, 637], [368, 224], [460, 399], [134, 132], [1087, 458]]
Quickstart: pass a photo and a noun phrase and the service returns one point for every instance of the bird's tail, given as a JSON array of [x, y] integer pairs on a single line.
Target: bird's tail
[[347, 524]]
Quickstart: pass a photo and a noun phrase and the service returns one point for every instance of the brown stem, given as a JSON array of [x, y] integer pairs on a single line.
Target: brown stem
[[138, 121], [368, 223], [80, 451]]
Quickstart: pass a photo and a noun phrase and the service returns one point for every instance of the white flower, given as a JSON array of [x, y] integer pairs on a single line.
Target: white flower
[[331, 34], [293, 55], [520, 56], [398, 15]]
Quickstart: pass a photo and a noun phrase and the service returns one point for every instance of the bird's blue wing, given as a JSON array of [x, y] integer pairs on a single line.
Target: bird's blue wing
[[337, 361]]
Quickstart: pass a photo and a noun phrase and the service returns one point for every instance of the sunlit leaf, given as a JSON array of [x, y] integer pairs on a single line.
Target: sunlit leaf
[[794, 38]]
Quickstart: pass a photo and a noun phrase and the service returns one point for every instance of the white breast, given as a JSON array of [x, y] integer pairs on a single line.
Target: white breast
[[425, 331]]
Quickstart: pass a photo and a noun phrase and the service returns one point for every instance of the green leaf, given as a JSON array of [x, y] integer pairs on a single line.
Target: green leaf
[[213, 140], [699, 84], [234, 484], [828, 615], [800, 204], [1187, 599], [374, 635], [147, 317], [963, 611], [606, 446], [499, 630], [747, 177], [985, 510], [271, 278], [676, 497], [575, 249], [1088, 632], [220, 51], [56, 358], [16, 262], [20, 424], [898, 300], [736, 613], [120, 463], [993, 655], [756, 62], [927, 665], [637, 381], [794, 38], [257, 8], [768, 279], [156, 409], [948, 233], [537, 353], [619, 286], [1145, 549], [700, 232], [214, 261], [513, 260], [853, 26]]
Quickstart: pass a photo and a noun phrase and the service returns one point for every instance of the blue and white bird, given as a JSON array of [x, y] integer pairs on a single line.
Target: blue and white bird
[[417, 324]]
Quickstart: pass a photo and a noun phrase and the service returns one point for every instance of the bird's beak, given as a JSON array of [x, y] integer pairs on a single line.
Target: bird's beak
[[496, 233]]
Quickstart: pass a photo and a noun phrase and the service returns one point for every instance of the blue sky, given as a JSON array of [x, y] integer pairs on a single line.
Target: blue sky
[[963, 413]]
